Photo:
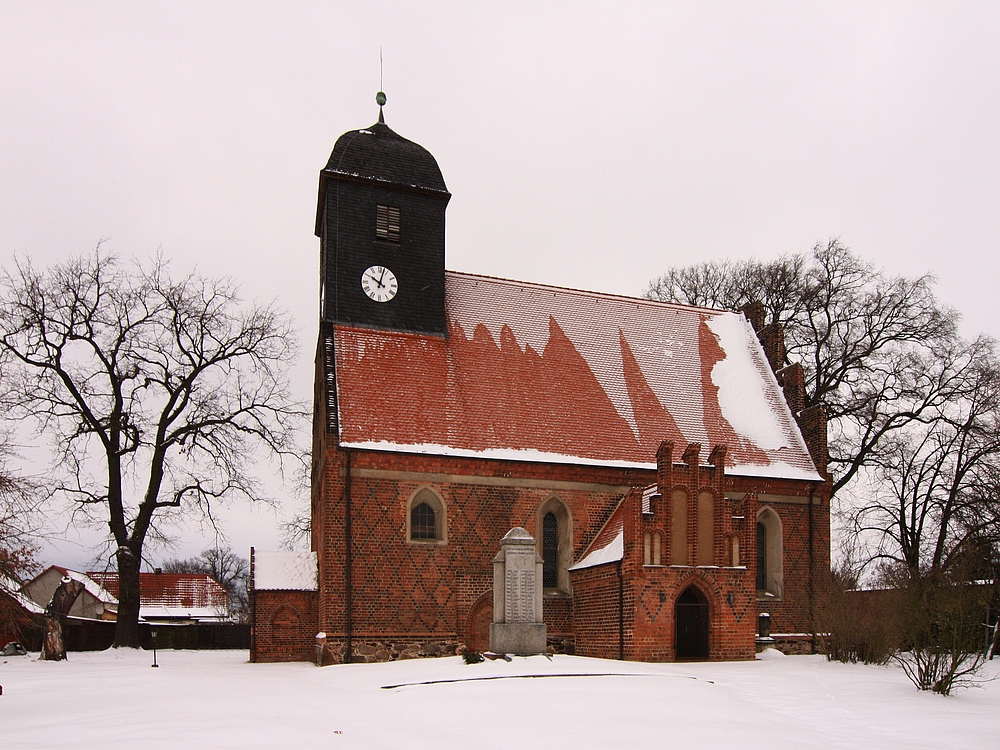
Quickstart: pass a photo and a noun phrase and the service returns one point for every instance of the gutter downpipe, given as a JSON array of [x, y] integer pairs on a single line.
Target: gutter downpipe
[[812, 557], [349, 594], [621, 614]]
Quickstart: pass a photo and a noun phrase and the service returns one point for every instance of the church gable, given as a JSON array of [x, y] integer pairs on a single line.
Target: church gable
[[531, 372]]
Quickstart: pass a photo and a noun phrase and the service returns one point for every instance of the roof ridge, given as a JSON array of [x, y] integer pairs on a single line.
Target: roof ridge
[[589, 292]]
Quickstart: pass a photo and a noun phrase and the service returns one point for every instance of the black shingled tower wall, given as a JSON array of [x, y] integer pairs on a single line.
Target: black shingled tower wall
[[369, 167]]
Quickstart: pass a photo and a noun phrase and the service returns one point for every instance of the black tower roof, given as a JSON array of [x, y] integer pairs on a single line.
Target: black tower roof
[[378, 153]]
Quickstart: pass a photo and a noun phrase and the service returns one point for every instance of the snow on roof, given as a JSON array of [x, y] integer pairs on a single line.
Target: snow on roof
[[540, 373], [157, 612], [11, 588], [648, 493], [290, 571], [609, 544], [92, 585]]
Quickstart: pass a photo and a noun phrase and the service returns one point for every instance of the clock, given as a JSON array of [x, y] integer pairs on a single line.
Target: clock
[[379, 283]]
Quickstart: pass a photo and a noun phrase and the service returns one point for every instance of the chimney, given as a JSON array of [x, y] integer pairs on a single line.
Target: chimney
[[792, 380]]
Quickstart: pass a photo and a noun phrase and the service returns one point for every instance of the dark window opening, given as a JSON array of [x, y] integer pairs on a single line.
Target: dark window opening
[[387, 223], [423, 522], [761, 557], [550, 551]]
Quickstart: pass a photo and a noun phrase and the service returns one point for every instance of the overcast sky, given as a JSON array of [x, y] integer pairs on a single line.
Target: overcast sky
[[585, 145]]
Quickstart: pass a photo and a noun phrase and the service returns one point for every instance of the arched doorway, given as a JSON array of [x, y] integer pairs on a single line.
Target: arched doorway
[[691, 624], [478, 634]]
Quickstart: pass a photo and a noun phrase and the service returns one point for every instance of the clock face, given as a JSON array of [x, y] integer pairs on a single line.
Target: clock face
[[379, 283]]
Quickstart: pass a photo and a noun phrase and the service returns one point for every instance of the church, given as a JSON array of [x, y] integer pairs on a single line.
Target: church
[[659, 454]]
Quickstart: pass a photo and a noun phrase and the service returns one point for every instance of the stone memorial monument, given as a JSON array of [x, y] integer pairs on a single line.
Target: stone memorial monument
[[517, 626]]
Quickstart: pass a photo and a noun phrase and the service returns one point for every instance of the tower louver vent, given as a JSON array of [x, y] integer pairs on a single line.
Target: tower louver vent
[[387, 223]]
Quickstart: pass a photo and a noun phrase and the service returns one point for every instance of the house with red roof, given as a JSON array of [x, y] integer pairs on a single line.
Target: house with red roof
[[659, 454], [94, 602], [177, 598]]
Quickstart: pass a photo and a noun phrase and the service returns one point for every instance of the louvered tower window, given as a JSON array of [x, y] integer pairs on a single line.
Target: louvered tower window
[[550, 551], [387, 223]]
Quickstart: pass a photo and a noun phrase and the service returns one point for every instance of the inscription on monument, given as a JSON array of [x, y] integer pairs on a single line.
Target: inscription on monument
[[519, 585], [517, 596]]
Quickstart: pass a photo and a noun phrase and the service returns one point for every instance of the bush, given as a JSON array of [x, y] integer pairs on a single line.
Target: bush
[[860, 625], [472, 657], [941, 628]]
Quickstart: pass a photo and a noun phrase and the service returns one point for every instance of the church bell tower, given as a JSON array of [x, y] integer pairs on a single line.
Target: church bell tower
[[380, 220]]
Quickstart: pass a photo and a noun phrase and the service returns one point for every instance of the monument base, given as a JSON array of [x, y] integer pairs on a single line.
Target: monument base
[[519, 638]]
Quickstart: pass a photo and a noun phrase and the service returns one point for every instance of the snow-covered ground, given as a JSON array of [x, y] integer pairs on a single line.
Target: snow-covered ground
[[215, 699]]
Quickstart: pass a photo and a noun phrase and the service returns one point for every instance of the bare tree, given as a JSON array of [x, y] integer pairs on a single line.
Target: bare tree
[[225, 567], [156, 393], [931, 507], [20, 523], [874, 348]]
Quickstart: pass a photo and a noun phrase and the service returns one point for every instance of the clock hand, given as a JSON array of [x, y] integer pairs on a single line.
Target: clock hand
[[381, 277]]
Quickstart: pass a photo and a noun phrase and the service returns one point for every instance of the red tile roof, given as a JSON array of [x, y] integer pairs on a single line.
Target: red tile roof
[[171, 589], [535, 372], [608, 545]]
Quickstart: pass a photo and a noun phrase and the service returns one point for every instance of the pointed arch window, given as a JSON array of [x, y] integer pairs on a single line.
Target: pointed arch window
[[770, 554], [554, 540], [426, 518], [550, 551], [423, 522]]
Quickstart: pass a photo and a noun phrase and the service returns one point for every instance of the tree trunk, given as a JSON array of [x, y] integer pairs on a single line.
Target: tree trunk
[[127, 622], [53, 646]]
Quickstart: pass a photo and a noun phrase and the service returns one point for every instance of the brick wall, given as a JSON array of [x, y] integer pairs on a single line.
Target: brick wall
[[424, 599], [284, 626]]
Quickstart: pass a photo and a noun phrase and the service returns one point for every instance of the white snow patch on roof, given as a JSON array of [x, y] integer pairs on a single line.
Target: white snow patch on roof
[[182, 613], [11, 589], [613, 552], [287, 571], [741, 397], [92, 587], [775, 470], [502, 454]]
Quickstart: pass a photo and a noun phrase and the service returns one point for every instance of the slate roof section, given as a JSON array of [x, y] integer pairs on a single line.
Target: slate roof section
[[379, 153], [541, 373]]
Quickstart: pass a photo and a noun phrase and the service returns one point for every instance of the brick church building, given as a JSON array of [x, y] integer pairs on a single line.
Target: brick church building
[[658, 453]]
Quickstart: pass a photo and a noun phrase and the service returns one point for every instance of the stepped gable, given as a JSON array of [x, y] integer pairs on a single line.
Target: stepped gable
[[534, 372]]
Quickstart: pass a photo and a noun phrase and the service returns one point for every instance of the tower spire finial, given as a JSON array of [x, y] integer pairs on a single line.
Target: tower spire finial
[[380, 97]]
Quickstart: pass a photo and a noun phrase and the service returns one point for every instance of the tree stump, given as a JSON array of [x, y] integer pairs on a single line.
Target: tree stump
[[53, 645]]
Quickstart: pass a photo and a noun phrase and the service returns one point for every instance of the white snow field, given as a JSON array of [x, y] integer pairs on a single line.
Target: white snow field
[[215, 699]]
